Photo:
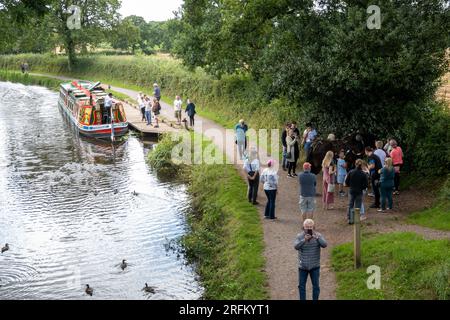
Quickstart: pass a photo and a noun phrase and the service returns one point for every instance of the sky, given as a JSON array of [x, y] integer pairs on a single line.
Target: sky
[[150, 10]]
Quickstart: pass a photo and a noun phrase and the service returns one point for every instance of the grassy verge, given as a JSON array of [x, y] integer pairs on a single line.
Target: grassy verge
[[411, 268], [438, 216], [226, 239], [27, 79]]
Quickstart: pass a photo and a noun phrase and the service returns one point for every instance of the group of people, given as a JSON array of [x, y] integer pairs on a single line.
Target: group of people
[[292, 142], [381, 171], [150, 106]]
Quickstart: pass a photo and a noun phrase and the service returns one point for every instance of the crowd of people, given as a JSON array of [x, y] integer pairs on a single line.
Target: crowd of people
[[150, 107], [379, 171]]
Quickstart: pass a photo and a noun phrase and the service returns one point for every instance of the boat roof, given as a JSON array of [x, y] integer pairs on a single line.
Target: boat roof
[[81, 94]]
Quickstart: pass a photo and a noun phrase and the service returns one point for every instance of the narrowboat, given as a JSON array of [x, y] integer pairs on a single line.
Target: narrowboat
[[83, 103]]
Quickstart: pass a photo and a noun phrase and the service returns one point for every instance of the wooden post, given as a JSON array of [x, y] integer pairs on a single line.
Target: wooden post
[[357, 239]]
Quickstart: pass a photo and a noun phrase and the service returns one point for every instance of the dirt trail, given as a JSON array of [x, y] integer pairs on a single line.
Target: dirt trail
[[279, 235]]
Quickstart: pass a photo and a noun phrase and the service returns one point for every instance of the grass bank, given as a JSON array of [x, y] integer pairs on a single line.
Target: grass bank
[[26, 79], [438, 216], [226, 237], [411, 268]]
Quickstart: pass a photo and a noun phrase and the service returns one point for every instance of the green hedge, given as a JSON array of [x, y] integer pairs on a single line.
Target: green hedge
[[18, 77]]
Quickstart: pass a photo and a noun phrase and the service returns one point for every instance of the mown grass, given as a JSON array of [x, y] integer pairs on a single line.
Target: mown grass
[[438, 216], [411, 268], [226, 237]]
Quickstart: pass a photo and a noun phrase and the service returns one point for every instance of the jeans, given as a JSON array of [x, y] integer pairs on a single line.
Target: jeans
[[303, 278], [291, 167], [307, 147], [285, 162], [270, 206], [376, 190], [148, 116], [386, 193], [354, 202], [253, 185], [241, 149]]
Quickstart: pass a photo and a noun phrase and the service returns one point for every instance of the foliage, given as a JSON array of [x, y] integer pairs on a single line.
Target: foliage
[[412, 268], [125, 36], [27, 79]]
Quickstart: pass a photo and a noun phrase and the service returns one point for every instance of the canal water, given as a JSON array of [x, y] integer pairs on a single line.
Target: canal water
[[72, 209]]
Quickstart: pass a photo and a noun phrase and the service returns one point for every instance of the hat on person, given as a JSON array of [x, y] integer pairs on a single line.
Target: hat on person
[[307, 166], [155, 84], [270, 163]]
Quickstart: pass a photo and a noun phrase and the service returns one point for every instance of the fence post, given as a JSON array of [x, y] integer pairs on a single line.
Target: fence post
[[357, 238]]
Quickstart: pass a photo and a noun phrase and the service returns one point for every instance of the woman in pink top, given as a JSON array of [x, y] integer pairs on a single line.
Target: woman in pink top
[[329, 171], [397, 161]]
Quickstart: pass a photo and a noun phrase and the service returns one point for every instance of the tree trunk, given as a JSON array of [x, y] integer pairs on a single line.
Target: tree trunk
[[70, 49]]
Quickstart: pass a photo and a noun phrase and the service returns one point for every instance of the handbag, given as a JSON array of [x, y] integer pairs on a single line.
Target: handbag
[[251, 173], [331, 188]]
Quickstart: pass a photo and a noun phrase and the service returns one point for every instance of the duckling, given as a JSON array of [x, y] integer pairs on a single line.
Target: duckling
[[89, 290], [135, 193], [148, 289], [116, 191], [124, 264], [5, 248]]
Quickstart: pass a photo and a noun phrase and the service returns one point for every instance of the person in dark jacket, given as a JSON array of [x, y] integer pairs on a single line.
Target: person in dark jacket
[[307, 181], [374, 167], [387, 176], [190, 110], [297, 144], [309, 243], [284, 163], [357, 181]]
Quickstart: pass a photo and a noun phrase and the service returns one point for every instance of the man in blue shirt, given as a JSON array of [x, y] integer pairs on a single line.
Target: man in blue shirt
[[308, 137], [156, 92], [307, 181]]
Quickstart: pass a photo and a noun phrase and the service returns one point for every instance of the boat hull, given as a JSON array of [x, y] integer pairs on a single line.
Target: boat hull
[[95, 131]]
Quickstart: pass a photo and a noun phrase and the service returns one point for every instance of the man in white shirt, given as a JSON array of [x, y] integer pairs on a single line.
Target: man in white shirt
[[141, 104], [108, 106], [177, 107]]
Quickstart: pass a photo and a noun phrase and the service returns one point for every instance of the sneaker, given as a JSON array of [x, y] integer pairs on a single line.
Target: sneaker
[[295, 175], [363, 218], [290, 176], [396, 193], [380, 210]]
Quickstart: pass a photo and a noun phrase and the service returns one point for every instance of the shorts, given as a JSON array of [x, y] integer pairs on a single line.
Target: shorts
[[178, 114], [341, 179], [307, 204]]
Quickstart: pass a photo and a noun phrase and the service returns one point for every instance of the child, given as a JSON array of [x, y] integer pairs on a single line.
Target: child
[[341, 172]]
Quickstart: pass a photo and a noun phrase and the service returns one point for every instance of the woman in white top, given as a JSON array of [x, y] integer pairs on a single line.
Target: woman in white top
[[251, 166], [270, 177], [141, 104]]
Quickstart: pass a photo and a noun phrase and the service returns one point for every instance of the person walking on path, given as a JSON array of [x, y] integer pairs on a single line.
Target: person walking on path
[[387, 174], [156, 108], [374, 167], [177, 108], [190, 110], [156, 92], [241, 139], [291, 140], [309, 243], [148, 111], [140, 100], [357, 181], [269, 178], [284, 134], [307, 182], [341, 172], [329, 171], [251, 166], [397, 161]]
